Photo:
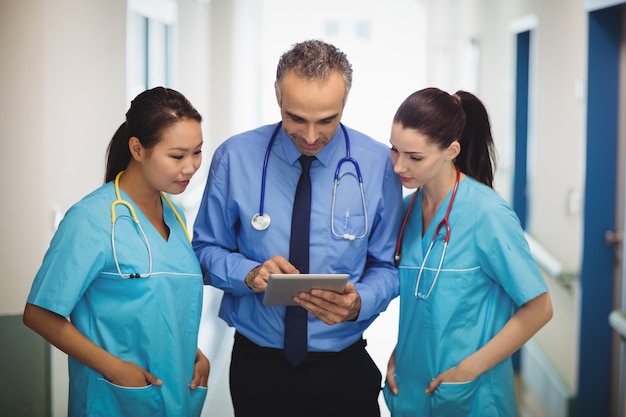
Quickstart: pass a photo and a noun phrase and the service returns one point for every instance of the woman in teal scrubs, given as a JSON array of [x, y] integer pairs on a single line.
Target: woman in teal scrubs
[[458, 320], [126, 275]]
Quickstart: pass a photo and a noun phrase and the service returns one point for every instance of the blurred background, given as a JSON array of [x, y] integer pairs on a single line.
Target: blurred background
[[551, 73]]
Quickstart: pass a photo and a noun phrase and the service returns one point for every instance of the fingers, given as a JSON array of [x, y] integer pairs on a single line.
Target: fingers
[[433, 384], [254, 281], [151, 379], [431, 387], [201, 369], [320, 309], [330, 307], [391, 384], [280, 265], [391, 377], [199, 380], [257, 278]]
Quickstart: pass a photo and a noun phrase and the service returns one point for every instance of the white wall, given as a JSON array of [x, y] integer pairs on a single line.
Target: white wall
[[21, 157], [61, 103]]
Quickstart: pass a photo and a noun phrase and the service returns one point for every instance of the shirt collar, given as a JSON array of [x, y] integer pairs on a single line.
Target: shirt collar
[[325, 156]]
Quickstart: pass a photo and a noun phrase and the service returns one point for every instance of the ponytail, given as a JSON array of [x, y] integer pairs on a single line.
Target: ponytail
[[118, 153], [477, 156]]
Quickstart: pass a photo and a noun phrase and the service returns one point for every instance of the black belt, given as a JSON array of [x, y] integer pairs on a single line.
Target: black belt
[[310, 356]]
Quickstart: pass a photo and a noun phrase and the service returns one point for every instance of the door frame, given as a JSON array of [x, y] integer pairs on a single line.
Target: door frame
[[593, 395]]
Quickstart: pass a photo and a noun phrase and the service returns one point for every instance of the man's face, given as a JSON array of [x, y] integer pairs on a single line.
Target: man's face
[[311, 110]]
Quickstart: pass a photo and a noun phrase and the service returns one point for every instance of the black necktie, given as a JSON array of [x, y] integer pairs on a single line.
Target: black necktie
[[296, 316]]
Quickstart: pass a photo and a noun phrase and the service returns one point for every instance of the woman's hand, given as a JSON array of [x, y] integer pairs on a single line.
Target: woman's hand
[[454, 374], [391, 373], [128, 374], [61, 333], [201, 369]]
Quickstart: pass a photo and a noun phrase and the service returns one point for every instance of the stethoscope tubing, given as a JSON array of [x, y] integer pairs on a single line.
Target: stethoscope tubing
[[268, 150], [445, 222], [265, 163], [135, 219], [261, 220], [145, 239]]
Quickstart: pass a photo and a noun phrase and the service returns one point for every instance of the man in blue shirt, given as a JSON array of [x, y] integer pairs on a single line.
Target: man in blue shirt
[[352, 231]]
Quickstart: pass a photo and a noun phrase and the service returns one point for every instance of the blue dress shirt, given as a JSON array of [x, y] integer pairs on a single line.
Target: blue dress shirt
[[228, 247]]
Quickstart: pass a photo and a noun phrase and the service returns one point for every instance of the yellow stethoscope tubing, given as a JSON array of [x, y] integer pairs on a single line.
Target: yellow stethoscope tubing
[[114, 219]]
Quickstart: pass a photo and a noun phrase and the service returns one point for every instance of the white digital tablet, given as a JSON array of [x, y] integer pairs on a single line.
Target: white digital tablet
[[281, 288]]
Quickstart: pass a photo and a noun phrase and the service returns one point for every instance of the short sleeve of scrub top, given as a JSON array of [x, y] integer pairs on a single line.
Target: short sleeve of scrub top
[[505, 254], [74, 259]]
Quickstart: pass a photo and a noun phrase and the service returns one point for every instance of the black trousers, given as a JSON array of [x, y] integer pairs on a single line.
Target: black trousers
[[342, 384]]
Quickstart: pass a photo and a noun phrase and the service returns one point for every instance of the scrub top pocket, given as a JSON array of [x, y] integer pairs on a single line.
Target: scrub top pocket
[[196, 400], [114, 400], [454, 399], [404, 403], [446, 307]]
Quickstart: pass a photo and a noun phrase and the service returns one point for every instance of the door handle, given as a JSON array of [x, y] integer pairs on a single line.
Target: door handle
[[613, 237]]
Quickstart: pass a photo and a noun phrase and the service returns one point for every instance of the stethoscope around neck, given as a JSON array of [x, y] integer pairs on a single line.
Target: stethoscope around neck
[[261, 220], [398, 255], [135, 219]]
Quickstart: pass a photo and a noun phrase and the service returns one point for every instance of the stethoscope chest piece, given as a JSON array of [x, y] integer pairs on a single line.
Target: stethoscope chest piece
[[261, 221]]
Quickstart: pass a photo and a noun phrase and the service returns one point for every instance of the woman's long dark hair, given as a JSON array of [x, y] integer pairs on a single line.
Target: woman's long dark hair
[[444, 118], [150, 113]]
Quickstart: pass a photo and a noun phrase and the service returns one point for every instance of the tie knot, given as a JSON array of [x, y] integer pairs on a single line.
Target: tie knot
[[305, 162]]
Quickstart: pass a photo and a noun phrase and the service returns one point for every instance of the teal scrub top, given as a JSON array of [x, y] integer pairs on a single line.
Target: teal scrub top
[[152, 321], [487, 272]]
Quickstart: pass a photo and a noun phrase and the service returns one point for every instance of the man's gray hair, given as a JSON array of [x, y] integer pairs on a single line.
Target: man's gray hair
[[314, 60]]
